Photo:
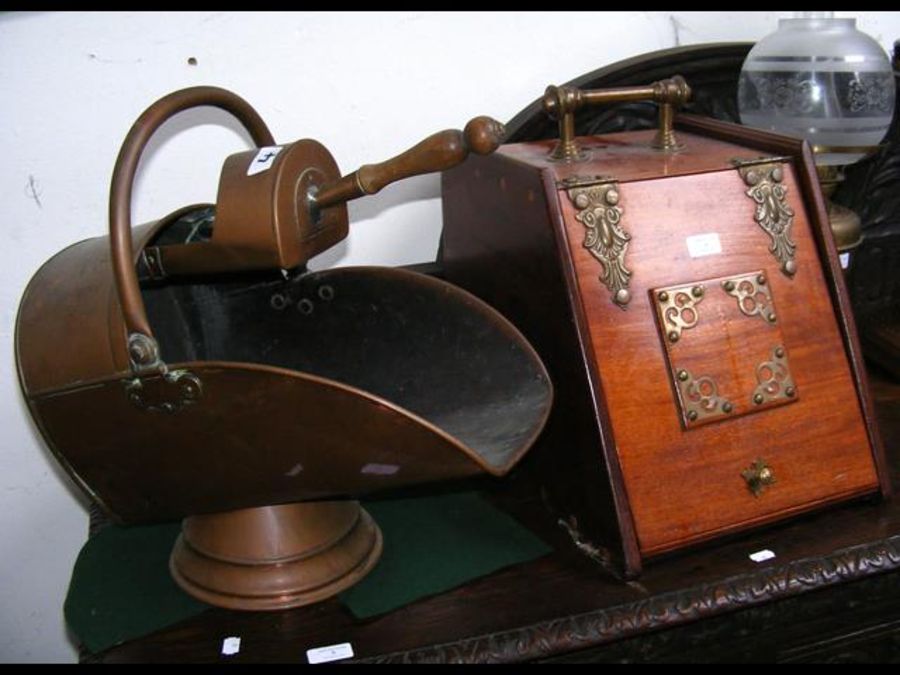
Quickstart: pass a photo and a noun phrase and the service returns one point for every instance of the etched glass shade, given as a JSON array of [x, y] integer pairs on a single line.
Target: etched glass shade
[[823, 80]]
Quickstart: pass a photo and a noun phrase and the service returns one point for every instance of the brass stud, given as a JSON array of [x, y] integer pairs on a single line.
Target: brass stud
[[771, 316], [612, 197], [729, 286], [727, 407], [790, 392], [758, 399], [582, 201], [663, 296], [779, 352], [765, 474], [790, 267], [697, 291], [622, 296], [761, 279], [777, 174], [683, 375], [673, 336], [692, 415]]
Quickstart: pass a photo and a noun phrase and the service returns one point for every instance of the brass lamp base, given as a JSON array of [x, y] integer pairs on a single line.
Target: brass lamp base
[[845, 224], [275, 557]]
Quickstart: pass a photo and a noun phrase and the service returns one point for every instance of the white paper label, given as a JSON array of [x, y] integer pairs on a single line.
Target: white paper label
[[700, 245], [762, 556], [231, 645], [263, 160], [845, 260], [330, 653], [380, 469]]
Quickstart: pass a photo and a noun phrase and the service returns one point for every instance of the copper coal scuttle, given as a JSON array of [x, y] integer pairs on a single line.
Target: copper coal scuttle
[[206, 374]]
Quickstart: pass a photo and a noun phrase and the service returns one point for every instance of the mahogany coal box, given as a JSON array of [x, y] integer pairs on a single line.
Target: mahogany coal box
[[687, 299]]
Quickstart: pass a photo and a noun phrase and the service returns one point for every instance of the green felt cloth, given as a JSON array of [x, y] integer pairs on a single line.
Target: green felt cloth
[[432, 544], [121, 588]]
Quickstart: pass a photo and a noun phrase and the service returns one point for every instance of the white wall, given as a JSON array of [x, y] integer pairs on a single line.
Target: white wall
[[367, 85]]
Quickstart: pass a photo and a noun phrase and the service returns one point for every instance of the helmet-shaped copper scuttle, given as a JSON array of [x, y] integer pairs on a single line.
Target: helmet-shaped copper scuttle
[[193, 368]]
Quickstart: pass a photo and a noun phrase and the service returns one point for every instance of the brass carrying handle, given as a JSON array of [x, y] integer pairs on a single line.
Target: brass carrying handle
[[142, 348], [561, 103], [439, 152]]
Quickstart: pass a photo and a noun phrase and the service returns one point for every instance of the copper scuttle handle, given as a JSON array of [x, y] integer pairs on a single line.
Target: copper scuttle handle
[[561, 103], [440, 151]]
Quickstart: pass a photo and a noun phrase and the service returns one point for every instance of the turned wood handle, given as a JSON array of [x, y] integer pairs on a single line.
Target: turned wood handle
[[438, 152]]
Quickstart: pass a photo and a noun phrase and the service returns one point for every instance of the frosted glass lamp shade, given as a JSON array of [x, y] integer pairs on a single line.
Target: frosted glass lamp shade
[[822, 80]]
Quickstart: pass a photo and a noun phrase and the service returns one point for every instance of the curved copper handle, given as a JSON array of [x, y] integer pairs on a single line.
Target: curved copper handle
[[438, 152], [141, 345]]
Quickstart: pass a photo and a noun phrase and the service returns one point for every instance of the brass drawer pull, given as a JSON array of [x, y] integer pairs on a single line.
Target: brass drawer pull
[[758, 477]]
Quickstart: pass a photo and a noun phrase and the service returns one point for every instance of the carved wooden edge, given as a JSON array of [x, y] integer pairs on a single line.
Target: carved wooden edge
[[840, 297], [591, 629]]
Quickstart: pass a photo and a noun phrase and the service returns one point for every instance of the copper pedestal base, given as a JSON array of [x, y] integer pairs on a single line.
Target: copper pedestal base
[[275, 557]]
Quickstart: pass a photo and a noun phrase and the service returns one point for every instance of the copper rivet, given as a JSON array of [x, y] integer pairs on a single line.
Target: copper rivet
[[692, 415], [779, 352], [663, 296], [789, 392], [697, 291], [757, 398], [683, 375], [727, 407], [673, 336]]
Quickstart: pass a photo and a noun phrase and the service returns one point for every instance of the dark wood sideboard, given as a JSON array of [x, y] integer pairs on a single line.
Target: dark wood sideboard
[[831, 594]]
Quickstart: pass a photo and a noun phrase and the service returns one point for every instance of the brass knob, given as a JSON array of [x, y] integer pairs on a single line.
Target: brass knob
[[758, 477]]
